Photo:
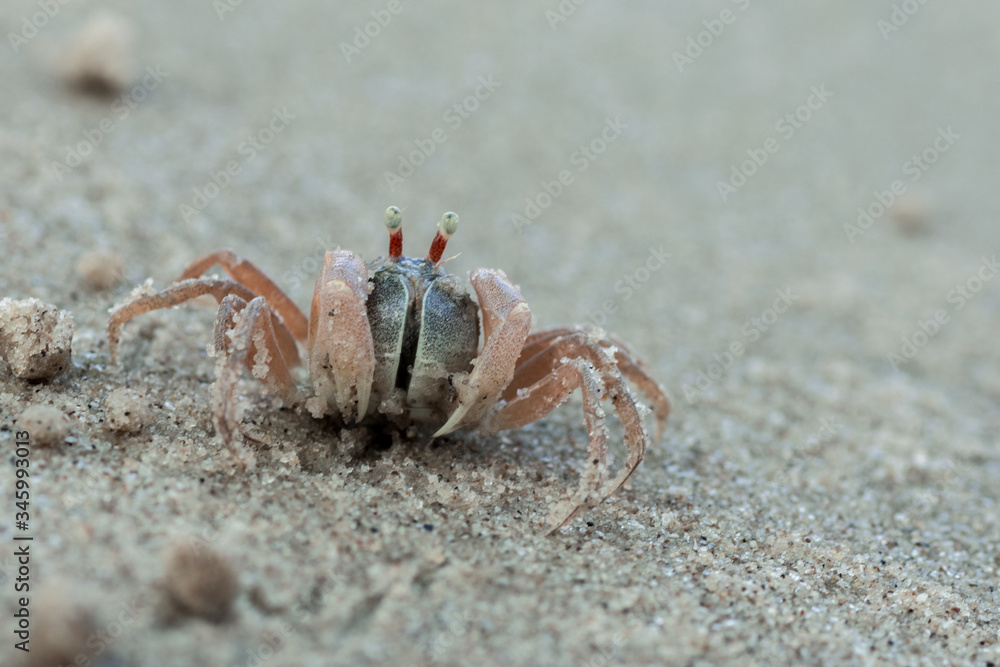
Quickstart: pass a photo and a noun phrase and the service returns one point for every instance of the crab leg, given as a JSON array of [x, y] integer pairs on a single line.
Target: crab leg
[[581, 343], [539, 340], [543, 381], [540, 346], [265, 360], [180, 292], [548, 393], [634, 370], [506, 321], [252, 344], [536, 401], [341, 352], [596, 469], [247, 273]]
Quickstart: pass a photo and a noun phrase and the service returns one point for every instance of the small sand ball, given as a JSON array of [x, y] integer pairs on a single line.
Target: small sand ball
[[47, 425], [101, 270], [62, 624], [127, 410], [200, 582], [911, 215], [99, 57], [35, 338]]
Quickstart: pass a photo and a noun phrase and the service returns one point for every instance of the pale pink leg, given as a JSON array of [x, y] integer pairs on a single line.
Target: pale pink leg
[[177, 294], [634, 371], [536, 401], [540, 346], [341, 352], [544, 379], [543, 397], [252, 345], [595, 469], [540, 340], [582, 343], [265, 355], [506, 321], [246, 273]]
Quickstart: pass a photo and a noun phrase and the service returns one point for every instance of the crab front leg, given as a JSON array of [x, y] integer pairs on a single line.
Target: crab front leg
[[247, 333], [628, 364], [506, 322], [341, 351], [538, 400], [244, 334], [552, 365]]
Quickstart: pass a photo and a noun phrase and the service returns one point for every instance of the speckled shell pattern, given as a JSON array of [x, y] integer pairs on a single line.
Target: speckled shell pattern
[[425, 328]]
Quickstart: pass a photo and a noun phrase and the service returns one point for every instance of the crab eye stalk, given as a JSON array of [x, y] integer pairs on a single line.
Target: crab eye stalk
[[446, 227], [394, 223]]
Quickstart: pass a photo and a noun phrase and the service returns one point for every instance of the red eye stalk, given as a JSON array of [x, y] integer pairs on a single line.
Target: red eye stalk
[[394, 223], [446, 227]]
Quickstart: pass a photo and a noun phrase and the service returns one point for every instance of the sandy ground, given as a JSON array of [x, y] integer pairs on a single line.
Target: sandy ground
[[811, 501]]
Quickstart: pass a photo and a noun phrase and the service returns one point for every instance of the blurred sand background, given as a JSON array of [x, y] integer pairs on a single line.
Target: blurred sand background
[[809, 504]]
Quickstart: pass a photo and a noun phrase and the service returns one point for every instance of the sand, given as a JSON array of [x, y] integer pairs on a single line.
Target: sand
[[814, 500]]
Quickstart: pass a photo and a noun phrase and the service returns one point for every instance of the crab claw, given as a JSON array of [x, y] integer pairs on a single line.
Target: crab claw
[[453, 421]]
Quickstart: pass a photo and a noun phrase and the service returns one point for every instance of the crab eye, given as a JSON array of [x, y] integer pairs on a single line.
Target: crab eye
[[394, 223], [446, 227], [448, 224]]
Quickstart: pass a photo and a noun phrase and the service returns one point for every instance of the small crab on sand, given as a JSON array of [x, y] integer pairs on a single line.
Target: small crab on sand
[[397, 340]]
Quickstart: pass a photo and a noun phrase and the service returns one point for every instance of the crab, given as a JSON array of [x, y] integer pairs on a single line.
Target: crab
[[396, 341]]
